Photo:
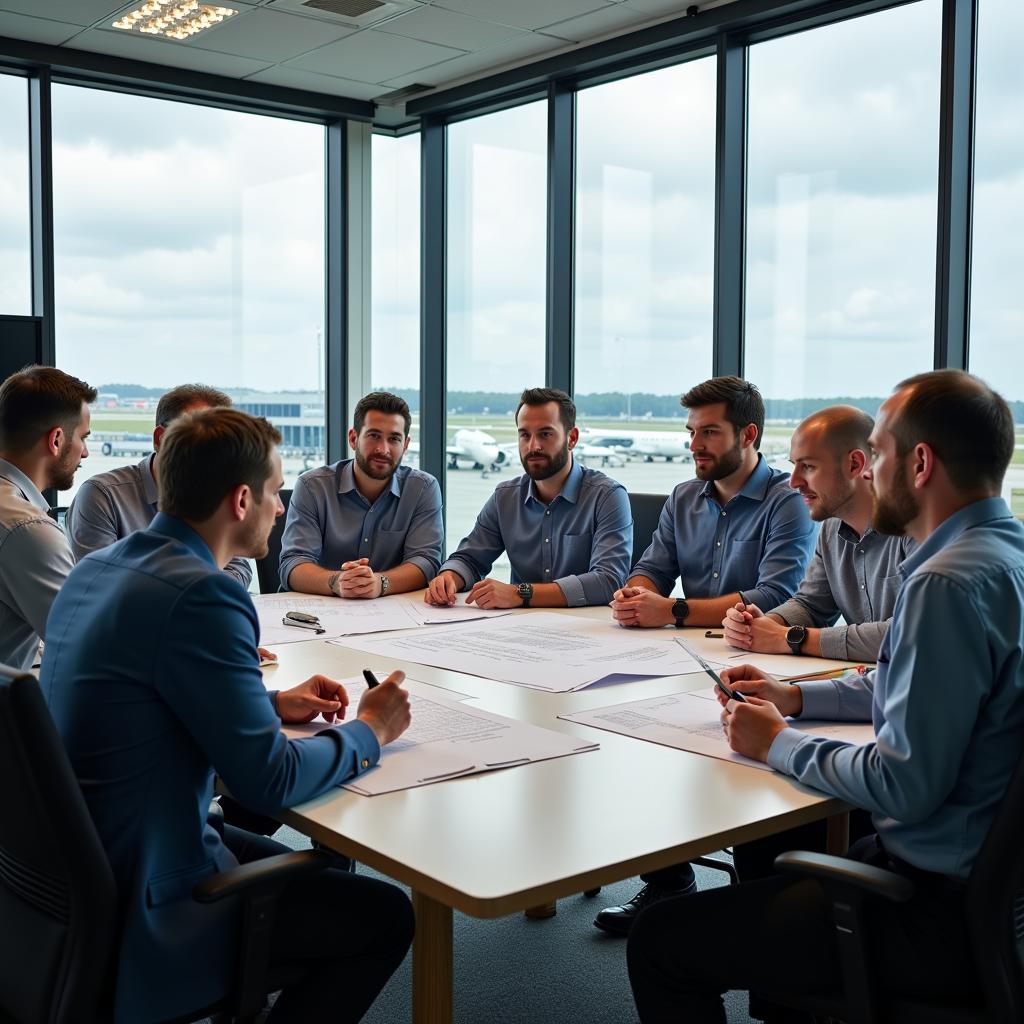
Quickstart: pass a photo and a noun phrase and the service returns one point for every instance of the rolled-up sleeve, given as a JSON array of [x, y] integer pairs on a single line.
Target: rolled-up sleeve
[[303, 537], [609, 557], [787, 550], [424, 543], [477, 552], [241, 570], [90, 522], [659, 563]]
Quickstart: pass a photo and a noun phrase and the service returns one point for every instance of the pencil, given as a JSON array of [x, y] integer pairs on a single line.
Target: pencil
[[831, 674]]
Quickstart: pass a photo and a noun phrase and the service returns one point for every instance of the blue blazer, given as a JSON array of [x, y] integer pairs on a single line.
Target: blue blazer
[[152, 677]]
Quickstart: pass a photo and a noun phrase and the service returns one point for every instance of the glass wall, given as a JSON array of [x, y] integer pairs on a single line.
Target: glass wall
[[395, 282], [645, 249], [188, 246], [497, 241], [841, 212], [997, 301], [15, 229]]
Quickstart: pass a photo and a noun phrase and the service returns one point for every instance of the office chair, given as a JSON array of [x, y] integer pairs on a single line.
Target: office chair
[[995, 926], [58, 899], [268, 568]]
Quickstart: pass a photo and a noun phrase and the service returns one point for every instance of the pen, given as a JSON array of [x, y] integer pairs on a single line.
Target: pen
[[834, 673], [727, 690], [371, 679], [713, 636]]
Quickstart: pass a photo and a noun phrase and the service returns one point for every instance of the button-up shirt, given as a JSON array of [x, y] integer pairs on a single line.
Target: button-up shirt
[[34, 562], [856, 577], [758, 543], [330, 522], [111, 505], [581, 540], [946, 701]]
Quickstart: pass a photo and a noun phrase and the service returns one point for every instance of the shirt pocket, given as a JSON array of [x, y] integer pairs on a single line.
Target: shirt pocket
[[171, 886], [576, 549]]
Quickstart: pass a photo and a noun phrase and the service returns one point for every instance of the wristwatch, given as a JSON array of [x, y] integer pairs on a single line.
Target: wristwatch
[[525, 591], [680, 611], [385, 585], [795, 637]]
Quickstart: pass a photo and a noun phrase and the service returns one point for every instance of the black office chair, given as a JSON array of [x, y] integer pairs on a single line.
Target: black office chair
[[995, 926], [646, 509], [58, 900], [268, 569]]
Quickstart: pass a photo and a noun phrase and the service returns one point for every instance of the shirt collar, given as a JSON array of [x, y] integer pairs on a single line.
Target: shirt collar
[[978, 512], [570, 489], [171, 526], [756, 487], [347, 479], [22, 482], [849, 534], [149, 492]]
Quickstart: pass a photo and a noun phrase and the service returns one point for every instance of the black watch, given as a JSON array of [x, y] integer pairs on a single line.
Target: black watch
[[795, 637], [526, 593], [680, 611]]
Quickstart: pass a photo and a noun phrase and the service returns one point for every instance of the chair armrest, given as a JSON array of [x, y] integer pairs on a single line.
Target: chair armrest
[[838, 870], [270, 872]]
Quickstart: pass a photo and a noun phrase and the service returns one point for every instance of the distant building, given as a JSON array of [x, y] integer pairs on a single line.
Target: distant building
[[298, 415]]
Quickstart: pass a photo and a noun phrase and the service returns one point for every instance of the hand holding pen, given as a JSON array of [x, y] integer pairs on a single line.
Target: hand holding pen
[[754, 682]]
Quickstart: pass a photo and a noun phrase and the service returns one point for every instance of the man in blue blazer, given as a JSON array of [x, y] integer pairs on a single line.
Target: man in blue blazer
[[152, 677]]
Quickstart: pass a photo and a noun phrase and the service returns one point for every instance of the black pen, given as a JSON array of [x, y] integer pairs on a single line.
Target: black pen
[[371, 679], [728, 691]]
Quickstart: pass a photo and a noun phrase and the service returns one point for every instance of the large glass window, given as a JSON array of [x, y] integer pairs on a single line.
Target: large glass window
[[15, 232], [188, 246], [841, 200], [997, 303], [395, 287], [497, 217], [645, 224]]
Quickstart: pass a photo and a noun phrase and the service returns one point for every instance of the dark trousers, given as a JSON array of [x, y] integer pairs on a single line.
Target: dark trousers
[[776, 935], [350, 930]]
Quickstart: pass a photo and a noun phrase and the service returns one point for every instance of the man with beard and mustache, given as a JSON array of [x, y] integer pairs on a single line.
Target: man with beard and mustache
[[369, 526], [854, 572], [152, 678], [567, 529], [44, 421], [947, 705], [738, 534]]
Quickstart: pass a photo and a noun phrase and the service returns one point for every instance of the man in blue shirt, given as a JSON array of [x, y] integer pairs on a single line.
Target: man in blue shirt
[[365, 527], [567, 529], [947, 704], [153, 680], [737, 533]]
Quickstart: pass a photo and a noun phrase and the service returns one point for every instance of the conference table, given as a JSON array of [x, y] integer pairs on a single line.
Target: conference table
[[493, 844]]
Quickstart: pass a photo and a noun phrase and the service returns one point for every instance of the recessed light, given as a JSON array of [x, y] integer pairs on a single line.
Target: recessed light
[[175, 19]]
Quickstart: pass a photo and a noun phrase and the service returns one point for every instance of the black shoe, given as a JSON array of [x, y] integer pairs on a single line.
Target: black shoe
[[618, 920]]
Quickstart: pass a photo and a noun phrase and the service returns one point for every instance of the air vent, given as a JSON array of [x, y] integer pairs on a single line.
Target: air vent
[[345, 8], [393, 99]]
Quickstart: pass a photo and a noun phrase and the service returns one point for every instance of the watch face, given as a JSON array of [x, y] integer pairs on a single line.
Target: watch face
[[795, 636]]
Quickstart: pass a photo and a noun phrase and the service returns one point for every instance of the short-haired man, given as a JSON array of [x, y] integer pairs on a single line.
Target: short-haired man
[[736, 534], [567, 529], [109, 506], [44, 423], [368, 526], [152, 678], [854, 571], [947, 703]]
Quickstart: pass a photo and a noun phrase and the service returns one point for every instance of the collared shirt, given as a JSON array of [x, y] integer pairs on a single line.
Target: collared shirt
[[581, 540], [856, 577], [34, 562], [758, 543], [330, 522], [111, 505], [946, 701], [152, 678]]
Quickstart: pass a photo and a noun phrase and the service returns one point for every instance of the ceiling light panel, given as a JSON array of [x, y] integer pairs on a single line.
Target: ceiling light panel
[[173, 19]]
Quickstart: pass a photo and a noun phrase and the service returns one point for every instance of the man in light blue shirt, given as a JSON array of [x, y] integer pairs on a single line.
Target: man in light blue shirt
[[947, 704], [365, 527], [567, 529]]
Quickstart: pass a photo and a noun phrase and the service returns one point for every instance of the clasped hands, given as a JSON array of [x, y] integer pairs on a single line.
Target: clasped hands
[[638, 606], [357, 580], [749, 629], [751, 727], [487, 593]]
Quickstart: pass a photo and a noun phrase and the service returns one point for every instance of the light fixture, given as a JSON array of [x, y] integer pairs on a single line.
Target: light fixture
[[176, 19]]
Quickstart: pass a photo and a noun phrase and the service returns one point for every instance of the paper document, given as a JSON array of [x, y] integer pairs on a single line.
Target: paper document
[[545, 651], [447, 740], [432, 615], [782, 666], [691, 721]]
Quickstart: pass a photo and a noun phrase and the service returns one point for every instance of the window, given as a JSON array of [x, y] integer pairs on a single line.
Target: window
[[497, 244], [15, 230], [997, 306], [645, 226], [188, 246], [841, 200]]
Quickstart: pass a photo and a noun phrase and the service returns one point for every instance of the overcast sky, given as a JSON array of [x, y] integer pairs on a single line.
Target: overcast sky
[[189, 241]]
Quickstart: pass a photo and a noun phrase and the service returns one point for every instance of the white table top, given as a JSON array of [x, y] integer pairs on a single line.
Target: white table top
[[491, 844]]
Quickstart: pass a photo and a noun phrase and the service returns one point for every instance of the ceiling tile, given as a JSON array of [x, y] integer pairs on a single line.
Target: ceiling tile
[[36, 30], [373, 56], [293, 78], [267, 35], [434, 25], [530, 14], [598, 23], [74, 12]]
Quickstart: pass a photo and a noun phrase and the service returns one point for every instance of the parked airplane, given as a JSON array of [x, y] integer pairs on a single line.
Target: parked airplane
[[667, 444], [478, 447]]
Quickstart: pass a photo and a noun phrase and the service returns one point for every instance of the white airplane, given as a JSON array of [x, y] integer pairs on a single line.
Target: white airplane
[[666, 444], [477, 447]]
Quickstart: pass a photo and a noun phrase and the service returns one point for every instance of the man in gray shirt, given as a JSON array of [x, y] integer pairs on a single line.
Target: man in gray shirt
[[854, 572], [44, 421], [114, 504]]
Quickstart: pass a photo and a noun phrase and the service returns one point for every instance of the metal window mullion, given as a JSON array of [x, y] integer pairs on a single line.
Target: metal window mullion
[[40, 130], [561, 216], [335, 292]]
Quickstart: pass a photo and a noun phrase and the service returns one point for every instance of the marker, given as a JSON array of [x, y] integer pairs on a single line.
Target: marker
[[728, 691], [371, 679]]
